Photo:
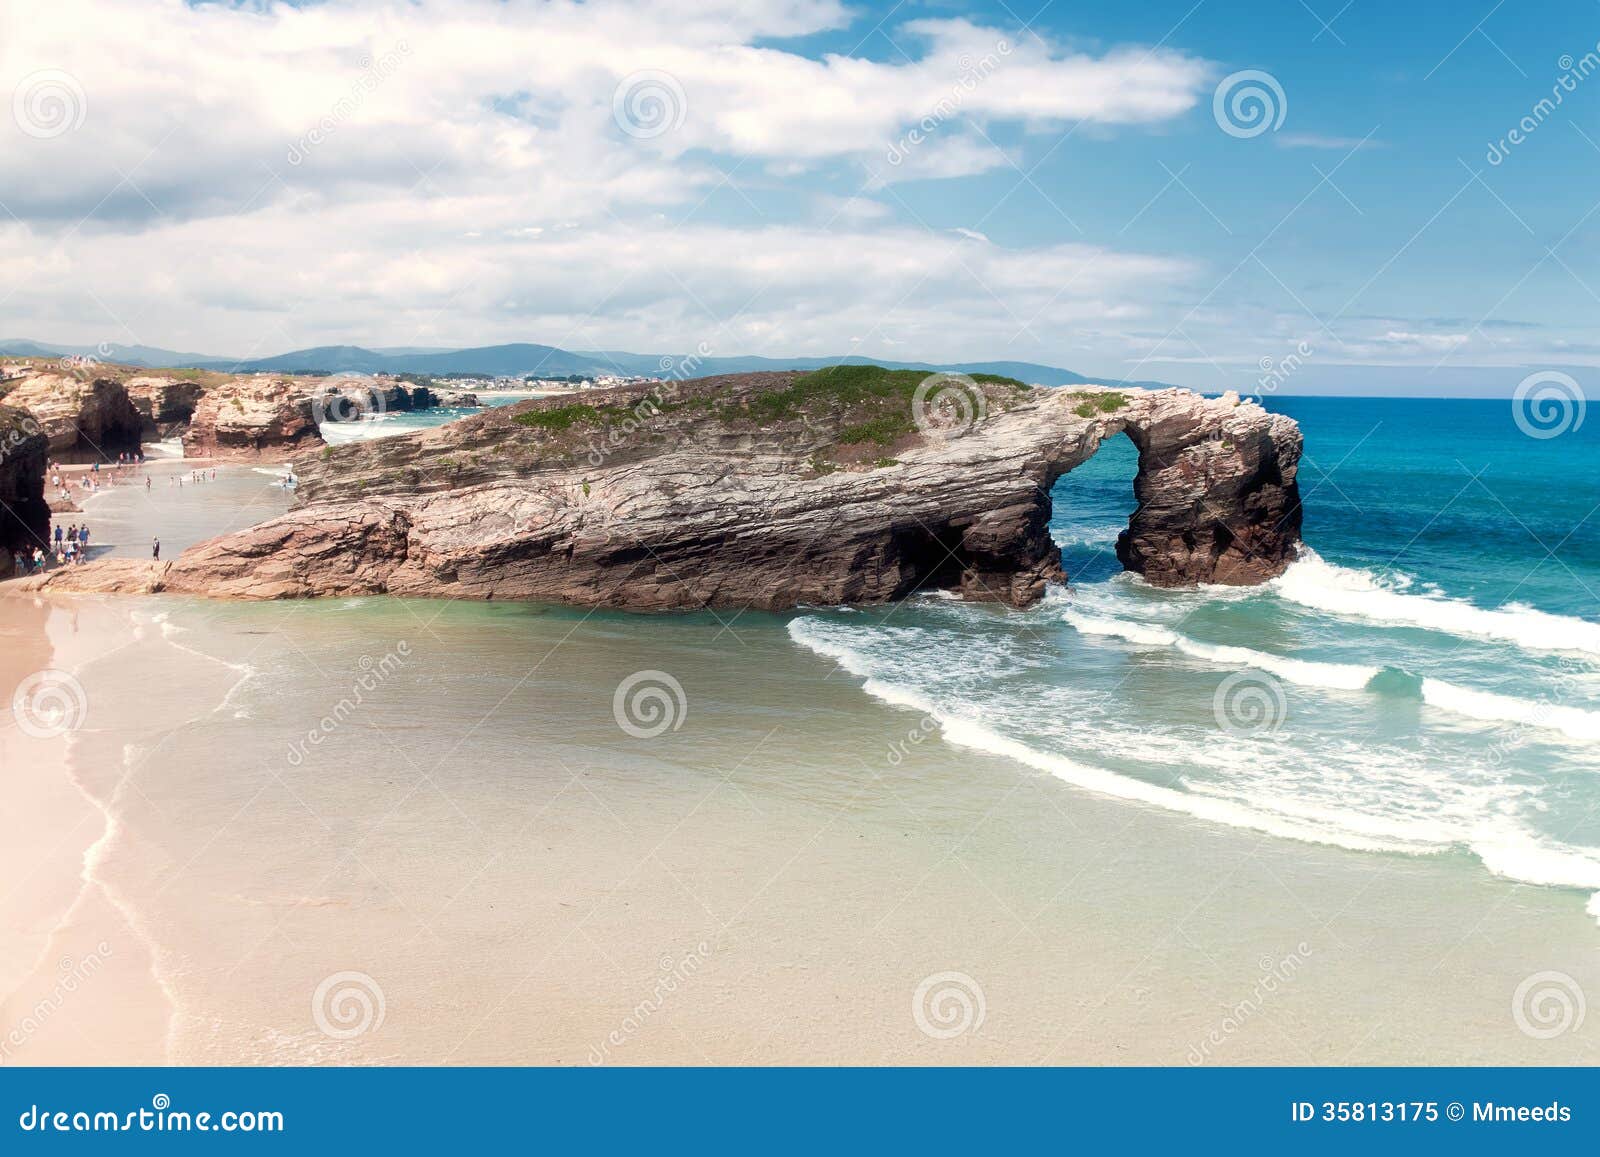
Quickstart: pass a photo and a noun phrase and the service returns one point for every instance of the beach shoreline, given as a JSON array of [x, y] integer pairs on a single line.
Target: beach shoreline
[[314, 805], [78, 984]]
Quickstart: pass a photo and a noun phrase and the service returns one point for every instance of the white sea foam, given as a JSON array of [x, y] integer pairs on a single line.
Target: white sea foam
[[1306, 673], [1103, 536], [1313, 582], [1143, 634], [1574, 722], [964, 732], [1349, 796], [170, 448]]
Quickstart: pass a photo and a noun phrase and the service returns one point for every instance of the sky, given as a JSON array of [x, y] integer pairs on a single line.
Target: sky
[[1337, 196]]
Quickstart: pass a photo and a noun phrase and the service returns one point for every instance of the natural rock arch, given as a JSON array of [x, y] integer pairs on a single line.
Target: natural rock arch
[[697, 509]]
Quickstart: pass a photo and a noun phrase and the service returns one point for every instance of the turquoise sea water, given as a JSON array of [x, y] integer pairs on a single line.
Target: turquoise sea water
[[1426, 679]]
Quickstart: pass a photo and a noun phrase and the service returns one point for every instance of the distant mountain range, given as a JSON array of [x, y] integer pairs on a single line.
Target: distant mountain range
[[515, 360]]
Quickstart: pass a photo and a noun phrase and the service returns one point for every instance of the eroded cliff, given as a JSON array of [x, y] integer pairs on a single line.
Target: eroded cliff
[[248, 417], [759, 490], [24, 516], [84, 417]]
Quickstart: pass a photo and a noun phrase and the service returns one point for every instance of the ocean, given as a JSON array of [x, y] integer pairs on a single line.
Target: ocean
[[1425, 677], [1346, 817]]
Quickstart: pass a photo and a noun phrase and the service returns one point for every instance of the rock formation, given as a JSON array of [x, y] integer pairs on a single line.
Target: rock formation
[[166, 403], [85, 418], [758, 490], [254, 416], [24, 517]]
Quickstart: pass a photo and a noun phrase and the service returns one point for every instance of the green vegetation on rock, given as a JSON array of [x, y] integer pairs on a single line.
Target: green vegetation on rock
[[876, 403], [558, 419], [1107, 402]]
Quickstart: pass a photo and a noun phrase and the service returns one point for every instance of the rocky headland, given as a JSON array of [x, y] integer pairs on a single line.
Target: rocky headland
[[24, 516], [83, 415], [848, 485], [249, 417], [166, 403]]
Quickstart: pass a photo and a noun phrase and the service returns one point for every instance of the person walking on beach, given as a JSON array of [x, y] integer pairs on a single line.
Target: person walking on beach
[[155, 550]]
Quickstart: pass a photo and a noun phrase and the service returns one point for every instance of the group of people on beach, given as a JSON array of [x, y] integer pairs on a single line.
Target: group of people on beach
[[71, 548], [90, 482]]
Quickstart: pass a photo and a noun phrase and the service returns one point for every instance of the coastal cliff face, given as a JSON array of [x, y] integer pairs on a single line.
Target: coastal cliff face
[[166, 403], [24, 517], [82, 417], [759, 490], [251, 416]]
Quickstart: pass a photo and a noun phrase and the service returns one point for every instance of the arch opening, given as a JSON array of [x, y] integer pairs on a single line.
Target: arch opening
[[1090, 507]]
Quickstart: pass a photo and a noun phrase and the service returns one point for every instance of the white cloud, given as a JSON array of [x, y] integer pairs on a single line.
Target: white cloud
[[778, 289], [1428, 342], [259, 176]]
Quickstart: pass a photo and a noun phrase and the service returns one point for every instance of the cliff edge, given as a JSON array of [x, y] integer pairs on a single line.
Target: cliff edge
[[849, 485]]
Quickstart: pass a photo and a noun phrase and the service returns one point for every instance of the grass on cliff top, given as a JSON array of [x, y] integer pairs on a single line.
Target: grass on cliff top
[[876, 402], [1107, 402], [558, 419], [851, 386]]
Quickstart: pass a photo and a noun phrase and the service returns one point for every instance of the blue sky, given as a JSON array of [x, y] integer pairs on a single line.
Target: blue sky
[[459, 172]]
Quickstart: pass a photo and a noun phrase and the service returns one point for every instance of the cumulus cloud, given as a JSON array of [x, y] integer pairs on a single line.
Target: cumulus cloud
[[257, 175]]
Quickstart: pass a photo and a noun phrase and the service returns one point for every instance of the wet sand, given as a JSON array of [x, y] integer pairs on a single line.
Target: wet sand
[[474, 862]]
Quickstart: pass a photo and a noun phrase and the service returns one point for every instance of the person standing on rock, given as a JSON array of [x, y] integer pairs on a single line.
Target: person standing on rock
[[155, 550]]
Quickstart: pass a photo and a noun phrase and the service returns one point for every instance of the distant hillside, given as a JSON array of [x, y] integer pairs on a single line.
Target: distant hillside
[[517, 360], [124, 355]]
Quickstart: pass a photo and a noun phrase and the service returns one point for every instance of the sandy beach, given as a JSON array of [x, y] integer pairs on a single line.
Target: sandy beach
[[377, 831]]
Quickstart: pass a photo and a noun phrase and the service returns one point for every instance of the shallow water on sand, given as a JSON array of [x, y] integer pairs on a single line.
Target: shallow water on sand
[[434, 807], [386, 831], [125, 514]]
